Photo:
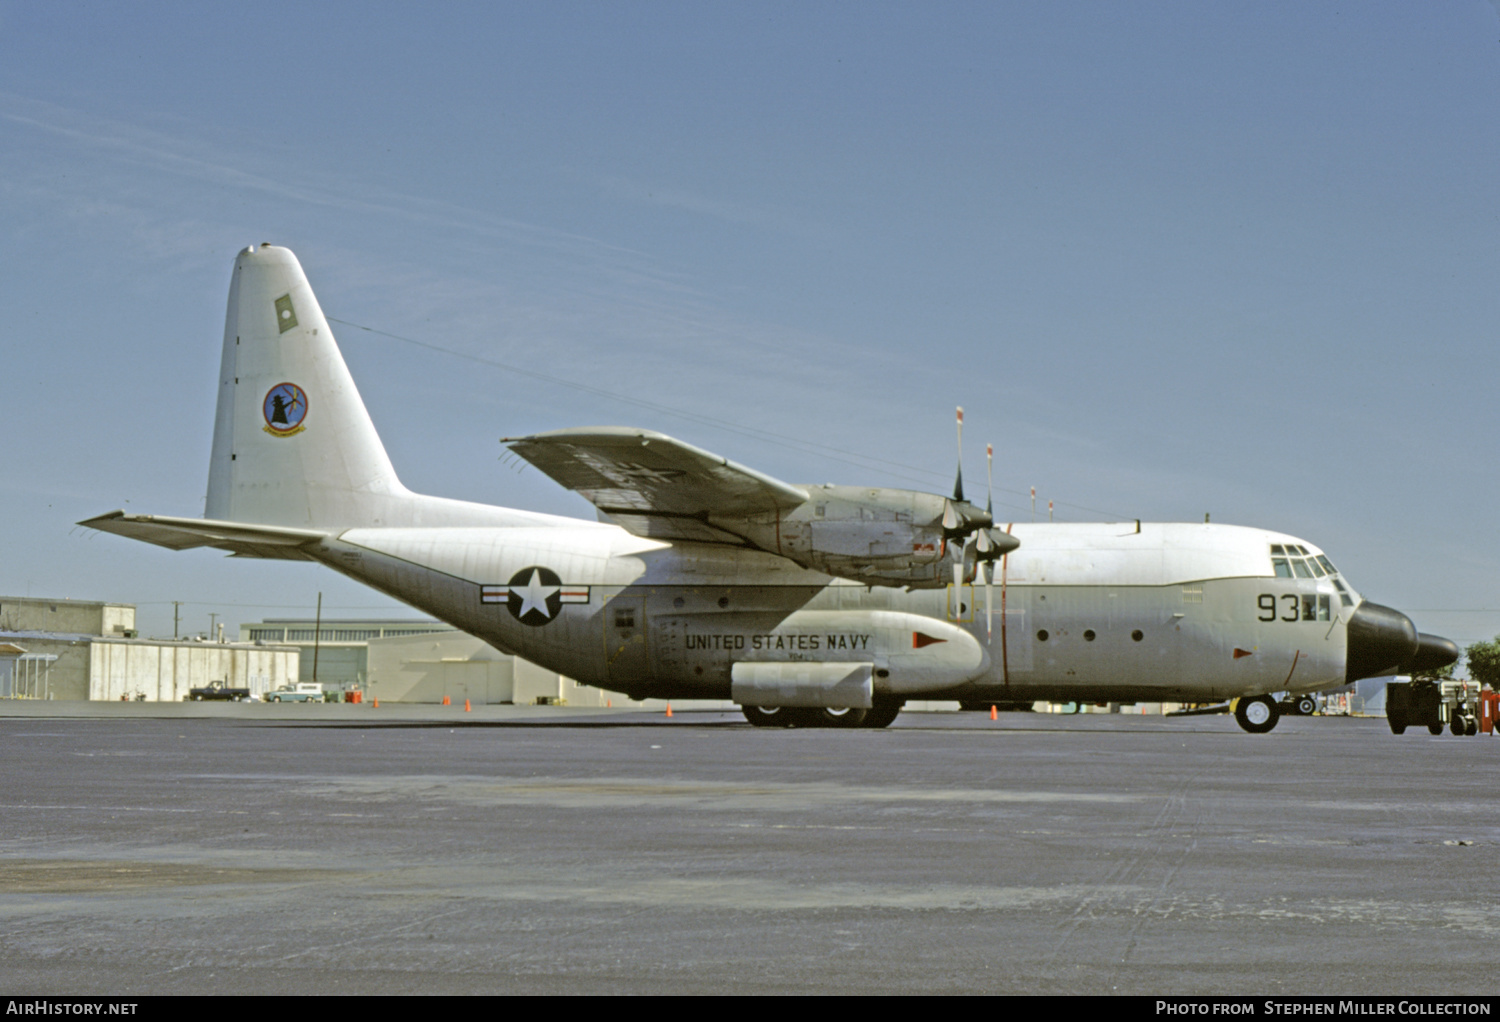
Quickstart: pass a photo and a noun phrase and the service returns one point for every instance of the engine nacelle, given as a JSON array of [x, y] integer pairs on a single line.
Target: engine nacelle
[[873, 535]]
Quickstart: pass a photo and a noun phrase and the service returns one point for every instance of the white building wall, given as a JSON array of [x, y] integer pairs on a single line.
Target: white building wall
[[165, 672]]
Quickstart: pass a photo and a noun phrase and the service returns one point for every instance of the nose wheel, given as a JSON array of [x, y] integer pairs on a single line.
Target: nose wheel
[[1257, 714]]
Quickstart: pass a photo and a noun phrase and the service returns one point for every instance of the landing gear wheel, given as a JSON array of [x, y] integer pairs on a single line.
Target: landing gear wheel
[[1471, 727], [1398, 729], [1434, 729], [1307, 706], [880, 716], [1257, 714], [768, 716], [838, 717], [1457, 726]]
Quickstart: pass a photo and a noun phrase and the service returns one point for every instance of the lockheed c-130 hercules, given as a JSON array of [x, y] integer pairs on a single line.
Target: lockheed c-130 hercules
[[809, 605]]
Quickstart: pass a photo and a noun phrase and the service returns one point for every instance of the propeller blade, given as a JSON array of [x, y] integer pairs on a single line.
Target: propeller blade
[[951, 518], [958, 485], [989, 601], [989, 499]]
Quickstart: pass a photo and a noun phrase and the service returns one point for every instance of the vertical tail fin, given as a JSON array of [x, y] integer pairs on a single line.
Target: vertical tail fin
[[293, 443]]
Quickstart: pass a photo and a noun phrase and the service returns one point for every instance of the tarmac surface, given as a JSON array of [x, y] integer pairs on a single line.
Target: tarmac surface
[[244, 848]]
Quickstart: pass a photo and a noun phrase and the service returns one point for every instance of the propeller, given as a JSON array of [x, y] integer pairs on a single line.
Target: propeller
[[960, 518], [990, 546], [982, 546], [951, 509]]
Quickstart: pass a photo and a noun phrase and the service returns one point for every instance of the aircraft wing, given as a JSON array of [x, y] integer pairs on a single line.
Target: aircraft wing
[[241, 540], [653, 484]]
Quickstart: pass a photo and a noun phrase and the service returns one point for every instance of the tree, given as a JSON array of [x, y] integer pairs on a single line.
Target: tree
[[1437, 673], [1484, 662]]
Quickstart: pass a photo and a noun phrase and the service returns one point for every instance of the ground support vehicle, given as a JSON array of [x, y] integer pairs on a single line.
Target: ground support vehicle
[[302, 692], [1300, 706], [1431, 704], [218, 690]]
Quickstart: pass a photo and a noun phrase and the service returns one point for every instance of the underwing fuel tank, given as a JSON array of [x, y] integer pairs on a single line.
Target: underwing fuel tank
[[847, 659]]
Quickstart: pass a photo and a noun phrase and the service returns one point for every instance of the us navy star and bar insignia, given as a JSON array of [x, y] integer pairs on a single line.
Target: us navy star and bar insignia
[[534, 595]]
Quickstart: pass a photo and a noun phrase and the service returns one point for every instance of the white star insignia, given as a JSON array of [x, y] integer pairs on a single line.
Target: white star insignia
[[534, 595]]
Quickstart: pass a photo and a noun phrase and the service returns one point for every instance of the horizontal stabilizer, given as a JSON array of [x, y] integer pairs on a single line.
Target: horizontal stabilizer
[[242, 540]]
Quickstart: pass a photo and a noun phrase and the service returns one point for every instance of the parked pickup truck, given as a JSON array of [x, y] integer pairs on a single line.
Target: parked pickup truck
[[217, 690], [302, 692]]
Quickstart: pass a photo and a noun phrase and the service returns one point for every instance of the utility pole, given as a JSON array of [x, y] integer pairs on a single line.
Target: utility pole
[[213, 622], [176, 614], [317, 637]]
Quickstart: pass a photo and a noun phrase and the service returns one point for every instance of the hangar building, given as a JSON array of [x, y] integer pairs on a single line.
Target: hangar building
[[79, 649]]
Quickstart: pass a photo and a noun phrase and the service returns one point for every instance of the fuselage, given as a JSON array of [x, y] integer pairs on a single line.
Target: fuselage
[[1080, 612], [717, 584]]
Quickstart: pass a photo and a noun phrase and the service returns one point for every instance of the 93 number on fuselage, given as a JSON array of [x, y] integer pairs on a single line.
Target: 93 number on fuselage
[[1303, 607]]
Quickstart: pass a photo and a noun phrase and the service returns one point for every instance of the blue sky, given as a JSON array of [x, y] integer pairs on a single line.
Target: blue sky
[[1172, 258]]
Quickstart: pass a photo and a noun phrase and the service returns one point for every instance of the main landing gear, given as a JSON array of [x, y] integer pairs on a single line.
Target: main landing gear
[[820, 716], [1257, 714]]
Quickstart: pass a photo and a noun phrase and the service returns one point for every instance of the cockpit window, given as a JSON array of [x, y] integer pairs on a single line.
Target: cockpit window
[[1316, 607], [1293, 560]]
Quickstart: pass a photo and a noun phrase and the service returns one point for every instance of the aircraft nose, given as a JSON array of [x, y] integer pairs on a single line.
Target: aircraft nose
[[1379, 639], [1433, 651]]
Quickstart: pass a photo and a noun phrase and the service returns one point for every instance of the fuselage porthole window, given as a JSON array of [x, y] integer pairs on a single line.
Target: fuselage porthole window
[[1137, 635], [1088, 635], [1041, 636]]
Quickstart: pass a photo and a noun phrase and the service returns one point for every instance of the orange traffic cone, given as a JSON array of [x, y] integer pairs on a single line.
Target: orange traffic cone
[[376, 704], [669, 709], [609, 702], [993, 714], [466, 706], [447, 701]]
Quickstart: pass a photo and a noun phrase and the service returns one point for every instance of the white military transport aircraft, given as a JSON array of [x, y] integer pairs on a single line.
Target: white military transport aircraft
[[809, 605]]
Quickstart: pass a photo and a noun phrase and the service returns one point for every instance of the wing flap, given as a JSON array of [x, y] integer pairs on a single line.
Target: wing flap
[[670, 527], [639, 473], [243, 540]]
